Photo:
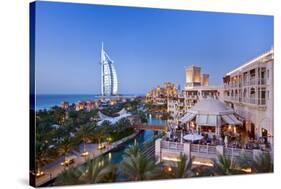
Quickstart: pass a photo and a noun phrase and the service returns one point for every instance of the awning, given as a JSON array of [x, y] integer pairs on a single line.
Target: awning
[[206, 120], [187, 117], [231, 119]]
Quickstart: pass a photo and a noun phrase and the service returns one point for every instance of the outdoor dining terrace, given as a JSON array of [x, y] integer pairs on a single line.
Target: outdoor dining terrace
[[228, 139]]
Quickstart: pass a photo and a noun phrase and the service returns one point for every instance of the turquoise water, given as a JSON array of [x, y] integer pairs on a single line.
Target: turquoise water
[[116, 155], [155, 121]]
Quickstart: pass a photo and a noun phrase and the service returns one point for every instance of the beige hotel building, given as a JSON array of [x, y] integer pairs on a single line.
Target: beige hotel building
[[248, 89]]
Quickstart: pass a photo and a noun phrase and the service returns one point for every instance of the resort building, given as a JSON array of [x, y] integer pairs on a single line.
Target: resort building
[[109, 82], [121, 114], [208, 129], [160, 94], [64, 105], [233, 120], [176, 107], [194, 78], [194, 94], [81, 105], [196, 88], [211, 116], [87, 105], [248, 89]]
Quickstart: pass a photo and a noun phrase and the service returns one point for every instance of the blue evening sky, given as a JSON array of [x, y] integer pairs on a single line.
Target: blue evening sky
[[148, 46]]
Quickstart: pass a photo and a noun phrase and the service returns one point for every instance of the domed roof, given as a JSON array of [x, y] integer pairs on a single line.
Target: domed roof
[[210, 106]]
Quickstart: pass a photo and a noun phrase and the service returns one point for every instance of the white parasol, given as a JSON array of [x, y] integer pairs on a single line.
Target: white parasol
[[193, 137]]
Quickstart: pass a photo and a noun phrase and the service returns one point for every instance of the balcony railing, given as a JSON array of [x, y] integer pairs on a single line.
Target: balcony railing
[[257, 101], [172, 145], [237, 152], [192, 97], [205, 149], [247, 82]]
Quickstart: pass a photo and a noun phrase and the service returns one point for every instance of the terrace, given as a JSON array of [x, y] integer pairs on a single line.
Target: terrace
[[207, 130]]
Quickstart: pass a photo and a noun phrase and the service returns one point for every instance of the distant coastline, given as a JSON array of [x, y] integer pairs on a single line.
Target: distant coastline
[[46, 101]]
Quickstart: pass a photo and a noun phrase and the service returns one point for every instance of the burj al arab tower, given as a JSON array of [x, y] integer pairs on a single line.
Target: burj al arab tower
[[109, 82]]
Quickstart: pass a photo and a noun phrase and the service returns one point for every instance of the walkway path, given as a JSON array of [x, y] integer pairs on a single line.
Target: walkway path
[[52, 170]]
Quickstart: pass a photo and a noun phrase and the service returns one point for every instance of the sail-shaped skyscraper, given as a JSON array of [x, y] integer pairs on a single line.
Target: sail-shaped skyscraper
[[109, 82]]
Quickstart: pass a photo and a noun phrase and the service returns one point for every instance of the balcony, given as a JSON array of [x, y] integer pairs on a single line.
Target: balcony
[[260, 81], [256, 101], [194, 97]]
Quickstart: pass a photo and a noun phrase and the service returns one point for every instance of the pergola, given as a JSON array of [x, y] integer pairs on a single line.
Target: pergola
[[210, 112]]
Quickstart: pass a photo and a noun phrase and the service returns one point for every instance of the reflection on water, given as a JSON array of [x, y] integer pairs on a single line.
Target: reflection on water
[[155, 121], [116, 155]]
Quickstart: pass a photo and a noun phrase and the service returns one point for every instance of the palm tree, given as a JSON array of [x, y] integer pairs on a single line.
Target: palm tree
[[181, 169], [225, 165], [85, 133], [69, 177], [58, 114], [94, 171], [65, 146], [98, 170], [132, 150], [43, 155], [102, 132], [109, 173], [262, 163], [137, 167]]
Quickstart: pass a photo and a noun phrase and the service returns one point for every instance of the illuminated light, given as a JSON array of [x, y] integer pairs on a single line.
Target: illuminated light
[[101, 146], [109, 139], [229, 127], [85, 153], [109, 156], [247, 170], [209, 164], [169, 169], [65, 162], [39, 173], [170, 159]]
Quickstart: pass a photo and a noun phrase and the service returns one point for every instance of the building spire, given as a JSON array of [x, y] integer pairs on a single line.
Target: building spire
[[102, 53]]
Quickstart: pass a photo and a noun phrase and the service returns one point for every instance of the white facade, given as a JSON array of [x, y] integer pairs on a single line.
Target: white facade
[[194, 78], [176, 107], [179, 105], [109, 82], [249, 90], [194, 94]]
